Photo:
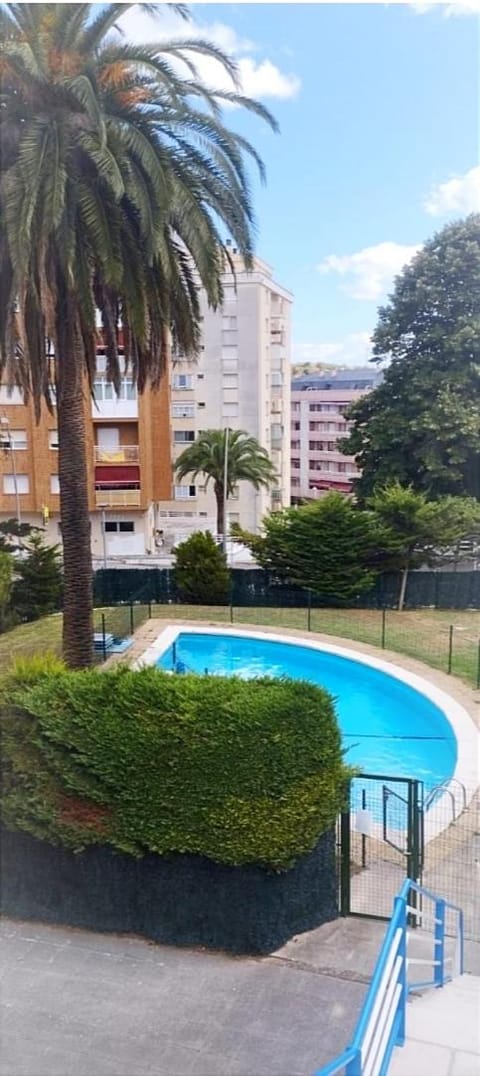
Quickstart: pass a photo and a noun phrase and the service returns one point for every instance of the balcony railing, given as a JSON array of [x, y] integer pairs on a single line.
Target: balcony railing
[[117, 498], [122, 454]]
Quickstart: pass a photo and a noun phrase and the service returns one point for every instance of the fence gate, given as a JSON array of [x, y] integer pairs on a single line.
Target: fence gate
[[380, 841]]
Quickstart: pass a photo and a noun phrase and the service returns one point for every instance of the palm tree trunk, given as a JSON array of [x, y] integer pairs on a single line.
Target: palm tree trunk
[[74, 509], [219, 499]]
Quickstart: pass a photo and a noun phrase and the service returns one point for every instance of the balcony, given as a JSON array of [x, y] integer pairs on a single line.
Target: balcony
[[122, 454], [276, 406], [117, 498]]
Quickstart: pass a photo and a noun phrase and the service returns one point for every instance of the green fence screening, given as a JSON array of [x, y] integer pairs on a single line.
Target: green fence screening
[[253, 587]]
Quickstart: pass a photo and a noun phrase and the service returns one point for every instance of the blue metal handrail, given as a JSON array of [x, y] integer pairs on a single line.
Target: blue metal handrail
[[381, 1025]]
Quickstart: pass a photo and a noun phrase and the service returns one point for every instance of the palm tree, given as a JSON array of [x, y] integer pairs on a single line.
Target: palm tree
[[118, 180], [247, 461]]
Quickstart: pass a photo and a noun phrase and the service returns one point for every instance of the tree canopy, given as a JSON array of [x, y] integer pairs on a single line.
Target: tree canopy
[[421, 426], [419, 531], [247, 461], [327, 546]]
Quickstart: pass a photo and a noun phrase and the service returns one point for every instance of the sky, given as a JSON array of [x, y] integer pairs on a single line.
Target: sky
[[378, 146]]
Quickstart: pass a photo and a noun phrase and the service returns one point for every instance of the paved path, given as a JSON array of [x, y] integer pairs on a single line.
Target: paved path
[[443, 1032], [83, 1004]]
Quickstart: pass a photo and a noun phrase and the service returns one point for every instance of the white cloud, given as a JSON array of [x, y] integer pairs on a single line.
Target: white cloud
[[461, 194], [449, 10], [369, 273], [258, 78], [352, 350]]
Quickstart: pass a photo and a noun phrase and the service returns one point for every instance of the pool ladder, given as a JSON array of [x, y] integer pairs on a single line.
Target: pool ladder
[[444, 789]]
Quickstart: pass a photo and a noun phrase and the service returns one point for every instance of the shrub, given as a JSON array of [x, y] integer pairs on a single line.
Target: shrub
[[200, 572], [37, 587], [238, 771]]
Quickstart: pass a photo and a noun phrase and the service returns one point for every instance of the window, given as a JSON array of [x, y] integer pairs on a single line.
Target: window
[[200, 377], [124, 526], [341, 468], [229, 354], [201, 404], [332, 446], [296, 464], [181, 436], [19, 485], [53, 439], [229, 338], [16, 439], [295, 445], [276, 378], [183, 410], [54, 484], [10, 394], [295, 481], [296, 425], [316, 446], [182, 381], [230, 410], [229, 366], [183, 493], [103, 389], [230, 381], [295, 405], [229, 322]]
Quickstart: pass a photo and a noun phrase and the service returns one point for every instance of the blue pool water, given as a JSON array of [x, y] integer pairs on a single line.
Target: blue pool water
[[388, 727]]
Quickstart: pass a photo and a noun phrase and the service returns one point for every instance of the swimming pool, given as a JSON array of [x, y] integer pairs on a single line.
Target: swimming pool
[[387, 725]]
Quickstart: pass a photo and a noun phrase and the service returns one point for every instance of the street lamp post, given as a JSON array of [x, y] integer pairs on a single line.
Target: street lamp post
[[104, 536], [225, 491], [5, 422]]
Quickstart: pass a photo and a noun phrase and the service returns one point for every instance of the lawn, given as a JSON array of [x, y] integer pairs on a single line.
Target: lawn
[[423, 634]]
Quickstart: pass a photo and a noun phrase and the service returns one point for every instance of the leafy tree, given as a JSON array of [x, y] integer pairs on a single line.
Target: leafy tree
[[37, 587], [421, 426], [247, 461], [5, 584], [327, 546], [11, 534], [118, 183], [418, 530], [200, 571]]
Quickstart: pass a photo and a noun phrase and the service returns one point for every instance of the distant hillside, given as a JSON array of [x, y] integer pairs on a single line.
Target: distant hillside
[[301, 369]]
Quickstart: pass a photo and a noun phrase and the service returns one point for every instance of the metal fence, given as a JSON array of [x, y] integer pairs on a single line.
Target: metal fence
[[444, 640], [393, 827]]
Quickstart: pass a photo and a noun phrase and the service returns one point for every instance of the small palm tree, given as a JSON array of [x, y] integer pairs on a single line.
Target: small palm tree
[[118, 184], [247, 461]]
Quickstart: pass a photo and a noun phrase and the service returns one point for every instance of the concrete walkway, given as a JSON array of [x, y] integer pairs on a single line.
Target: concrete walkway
[[443, 1032], [77, 1003]]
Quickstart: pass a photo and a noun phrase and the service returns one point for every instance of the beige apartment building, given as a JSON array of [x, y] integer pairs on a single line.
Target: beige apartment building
[[240, 380], [318, 406]]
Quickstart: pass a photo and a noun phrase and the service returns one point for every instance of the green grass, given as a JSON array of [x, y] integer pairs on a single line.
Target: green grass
[[423, 634]]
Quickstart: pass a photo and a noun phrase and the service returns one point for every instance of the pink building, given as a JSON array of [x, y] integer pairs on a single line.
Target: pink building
[[318, 406]]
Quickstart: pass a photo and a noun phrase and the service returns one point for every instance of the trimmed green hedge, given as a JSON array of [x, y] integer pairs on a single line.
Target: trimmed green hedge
[[238, 771]]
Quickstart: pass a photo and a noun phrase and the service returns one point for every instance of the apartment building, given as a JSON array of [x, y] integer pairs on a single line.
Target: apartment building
[[318, 406], [129, 464], [240, 380]]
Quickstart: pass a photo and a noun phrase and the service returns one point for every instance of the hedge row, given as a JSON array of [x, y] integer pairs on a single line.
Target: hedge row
[[143, 761]]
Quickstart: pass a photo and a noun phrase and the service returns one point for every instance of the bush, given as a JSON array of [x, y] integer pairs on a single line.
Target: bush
[[37, 588], [200, 572], [238, 771]]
